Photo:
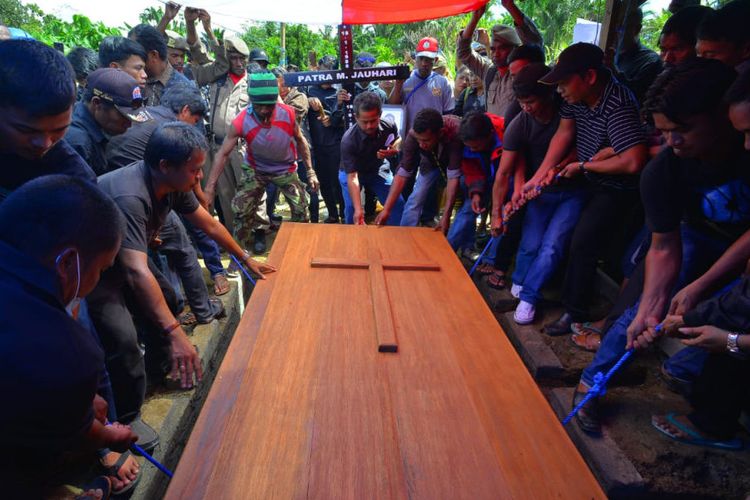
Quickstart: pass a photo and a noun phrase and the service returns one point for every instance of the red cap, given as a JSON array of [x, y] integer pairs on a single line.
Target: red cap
[[427, 47]]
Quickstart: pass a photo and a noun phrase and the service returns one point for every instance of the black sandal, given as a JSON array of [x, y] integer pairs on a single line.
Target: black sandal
[[114, 469], [496, 280]]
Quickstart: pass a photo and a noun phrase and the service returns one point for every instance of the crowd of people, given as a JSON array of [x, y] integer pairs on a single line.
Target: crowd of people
[[120, 167]]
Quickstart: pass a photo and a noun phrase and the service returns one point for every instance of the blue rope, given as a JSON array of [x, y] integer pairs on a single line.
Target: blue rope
[[148, 457], [600, 383], [151, 459], [481, 255], [242, 268], [487, 246]]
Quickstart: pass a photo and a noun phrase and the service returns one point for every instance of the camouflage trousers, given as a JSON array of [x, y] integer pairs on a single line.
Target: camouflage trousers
[[251, 193]]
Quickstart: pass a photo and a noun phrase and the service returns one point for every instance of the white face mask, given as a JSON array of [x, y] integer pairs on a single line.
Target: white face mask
[[72, 307]]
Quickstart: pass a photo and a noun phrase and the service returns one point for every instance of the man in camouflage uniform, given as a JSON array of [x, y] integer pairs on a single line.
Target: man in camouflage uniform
[[274, 142], [227, 81]]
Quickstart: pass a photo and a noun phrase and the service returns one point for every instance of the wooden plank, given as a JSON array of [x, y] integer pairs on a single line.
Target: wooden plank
[[319, 413], [203, 446], [515, 417], [339, 263], [385, 331]]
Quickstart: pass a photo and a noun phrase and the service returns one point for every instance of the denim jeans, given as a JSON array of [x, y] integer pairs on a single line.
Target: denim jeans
[[416, 200], [208, 248], [699, 251], [380, 185], [547, 228]]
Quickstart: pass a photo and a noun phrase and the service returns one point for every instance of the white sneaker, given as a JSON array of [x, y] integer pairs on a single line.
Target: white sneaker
[[524, 313], [515, 291]]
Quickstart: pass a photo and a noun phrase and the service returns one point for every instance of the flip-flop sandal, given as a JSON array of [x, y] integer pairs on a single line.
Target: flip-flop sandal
[[187, 319], [485, 269], [114, 469], [694, 437], [580, 327], [496, 280], [221, 285], [588, 340]]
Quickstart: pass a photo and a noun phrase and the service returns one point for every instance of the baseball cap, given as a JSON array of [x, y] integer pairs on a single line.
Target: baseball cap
[[263, 88], [427, 47], [120, 89], [506, 34], [577, 58]]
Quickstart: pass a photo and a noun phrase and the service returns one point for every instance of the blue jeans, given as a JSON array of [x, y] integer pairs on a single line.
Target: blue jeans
[[547, 228], [381, 187], [698, 253], [416, 200], [208, 248]]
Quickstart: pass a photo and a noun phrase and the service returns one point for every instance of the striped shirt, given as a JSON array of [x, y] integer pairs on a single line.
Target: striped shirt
[[614, 122]]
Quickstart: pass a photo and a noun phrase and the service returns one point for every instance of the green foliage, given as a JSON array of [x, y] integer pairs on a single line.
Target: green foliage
[[50, 29], [652, 26], [82, 32]]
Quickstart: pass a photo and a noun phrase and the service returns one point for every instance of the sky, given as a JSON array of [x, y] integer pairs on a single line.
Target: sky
[[223, 13]]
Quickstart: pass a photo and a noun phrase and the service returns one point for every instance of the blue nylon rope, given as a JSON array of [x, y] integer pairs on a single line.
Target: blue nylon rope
[[600, 382], [242, 268]]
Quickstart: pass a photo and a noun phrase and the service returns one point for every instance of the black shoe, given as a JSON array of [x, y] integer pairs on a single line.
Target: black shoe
[[559, 327], [275, 218], [259, 246], [331, 220], [217, 311], [587, 417], [506, 305], [148, 439]]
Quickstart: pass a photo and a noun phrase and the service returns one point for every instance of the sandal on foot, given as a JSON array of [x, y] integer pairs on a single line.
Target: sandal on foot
[[187, 319], [485, 269], [662, 423], [114, 470], [496, 280], [221, 284], [588, 340], [576, 327]]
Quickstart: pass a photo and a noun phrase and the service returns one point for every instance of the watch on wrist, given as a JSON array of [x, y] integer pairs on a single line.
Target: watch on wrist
[[582, 166], [732, 345]]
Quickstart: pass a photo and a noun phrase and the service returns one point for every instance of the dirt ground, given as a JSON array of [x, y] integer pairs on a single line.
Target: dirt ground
[[670, 469]]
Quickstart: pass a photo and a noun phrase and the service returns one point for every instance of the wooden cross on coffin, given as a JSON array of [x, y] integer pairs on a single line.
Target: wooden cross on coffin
[[385, 329]]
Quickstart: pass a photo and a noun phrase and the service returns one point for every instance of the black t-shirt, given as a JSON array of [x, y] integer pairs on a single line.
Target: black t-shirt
[[359, 150], [129, 147], [532, 138], [131, 189], [61, 159], [714, 198]]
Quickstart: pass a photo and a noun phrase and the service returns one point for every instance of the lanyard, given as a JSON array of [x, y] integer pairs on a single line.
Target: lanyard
[[406, 101]]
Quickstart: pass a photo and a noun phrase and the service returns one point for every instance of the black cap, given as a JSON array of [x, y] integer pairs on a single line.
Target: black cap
[[119, 88], [576, 59], [258, 55]]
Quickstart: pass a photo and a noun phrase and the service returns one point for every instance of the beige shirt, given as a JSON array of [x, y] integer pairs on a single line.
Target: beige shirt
[[226, 99]]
